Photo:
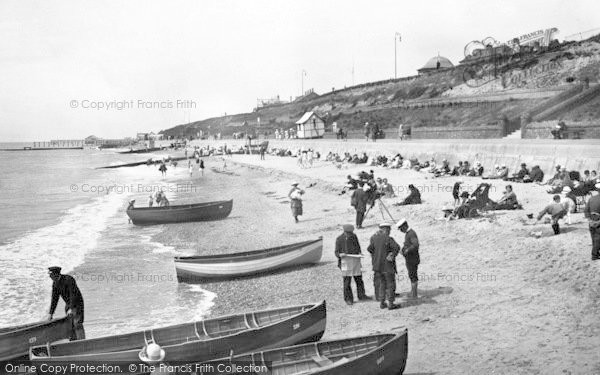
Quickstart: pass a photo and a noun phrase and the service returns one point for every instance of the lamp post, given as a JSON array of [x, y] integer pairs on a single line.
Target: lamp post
[[302, 79], [398, 37]]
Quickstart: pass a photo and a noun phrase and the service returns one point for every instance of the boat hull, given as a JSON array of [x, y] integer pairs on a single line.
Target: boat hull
[[251, 263], [305, 324], [180, 214], [378, 354], [15, 341]]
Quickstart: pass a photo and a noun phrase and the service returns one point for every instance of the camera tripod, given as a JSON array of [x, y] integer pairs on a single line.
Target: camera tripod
[[382, 208]]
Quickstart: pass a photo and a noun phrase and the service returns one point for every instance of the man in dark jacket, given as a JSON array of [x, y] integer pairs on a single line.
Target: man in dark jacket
[[413, 198], [536, 175], [359, 201], [384, 250], [592, 213], [348, 252], [410, 250], [65, 286], [520, 175]]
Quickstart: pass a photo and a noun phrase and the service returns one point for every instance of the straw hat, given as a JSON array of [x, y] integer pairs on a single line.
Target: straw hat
[[152, 354], [385, 224]]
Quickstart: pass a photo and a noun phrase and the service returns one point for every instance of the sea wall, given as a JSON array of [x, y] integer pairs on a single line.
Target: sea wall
[[575, 155], [471, 132], [541, 130]]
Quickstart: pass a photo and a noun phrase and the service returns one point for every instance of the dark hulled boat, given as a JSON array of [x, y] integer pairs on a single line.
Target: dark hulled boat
[[378, 354], [141, 150], [15, 341], [180, 214]]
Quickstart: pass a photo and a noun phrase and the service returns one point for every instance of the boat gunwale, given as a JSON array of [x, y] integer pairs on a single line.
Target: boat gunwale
[[25, 327]]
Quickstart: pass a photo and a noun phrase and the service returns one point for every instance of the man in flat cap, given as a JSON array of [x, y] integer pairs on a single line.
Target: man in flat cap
[[65, 286], [410, 250], [359, 201], [384, 250], [348, 252]]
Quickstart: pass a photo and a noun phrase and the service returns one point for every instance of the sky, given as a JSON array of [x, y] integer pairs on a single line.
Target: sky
[[70, 69]]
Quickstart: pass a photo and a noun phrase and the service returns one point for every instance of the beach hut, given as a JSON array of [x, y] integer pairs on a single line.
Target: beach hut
[[310, 126]]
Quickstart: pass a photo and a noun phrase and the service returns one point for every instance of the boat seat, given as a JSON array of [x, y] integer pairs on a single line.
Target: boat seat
[[226, 332], [321, 360]]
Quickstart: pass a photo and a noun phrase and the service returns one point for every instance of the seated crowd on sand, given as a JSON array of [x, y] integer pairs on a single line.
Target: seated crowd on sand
[[572, 184]]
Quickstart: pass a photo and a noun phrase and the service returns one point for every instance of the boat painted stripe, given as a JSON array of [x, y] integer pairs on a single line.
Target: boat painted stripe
[[311, 254]]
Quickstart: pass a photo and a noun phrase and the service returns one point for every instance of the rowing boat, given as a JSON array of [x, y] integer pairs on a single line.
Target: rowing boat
[[15, 341], [198, 341], [377, 354], [248, 263], [180, 214]]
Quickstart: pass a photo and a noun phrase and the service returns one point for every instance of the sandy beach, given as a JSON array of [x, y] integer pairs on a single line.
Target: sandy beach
[[494, 299]]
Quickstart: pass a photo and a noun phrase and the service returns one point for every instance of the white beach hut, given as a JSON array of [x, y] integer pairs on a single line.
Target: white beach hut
[[310, 126]]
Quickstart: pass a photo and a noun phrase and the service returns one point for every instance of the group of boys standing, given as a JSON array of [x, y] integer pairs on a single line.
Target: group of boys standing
[[384, 250]]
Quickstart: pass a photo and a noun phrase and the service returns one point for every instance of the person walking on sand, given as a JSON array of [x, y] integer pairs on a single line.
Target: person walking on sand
[[190, 168], [384, 250], [163, 169], [456, 192], [359, 200], [556, 211], [201, 168], [410, 250], [66, 287], [348, 253], [592, 213], [295, 196]]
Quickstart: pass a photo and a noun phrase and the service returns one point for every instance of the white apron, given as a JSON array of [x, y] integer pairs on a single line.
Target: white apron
[[350, 266]]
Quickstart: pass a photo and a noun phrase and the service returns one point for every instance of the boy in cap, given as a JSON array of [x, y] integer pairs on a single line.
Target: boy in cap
[[384, 250], [556, 211], [410, 250], [348, 252], [65, 286]]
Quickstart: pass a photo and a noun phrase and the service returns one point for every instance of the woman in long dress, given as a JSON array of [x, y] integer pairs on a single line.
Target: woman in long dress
[[295, 196]]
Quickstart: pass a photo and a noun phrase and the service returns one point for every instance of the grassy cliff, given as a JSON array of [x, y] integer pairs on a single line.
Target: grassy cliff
[[501, 89]]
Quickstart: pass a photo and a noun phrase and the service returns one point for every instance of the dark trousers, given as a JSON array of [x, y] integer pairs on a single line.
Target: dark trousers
[[77, 331], [360, 216], [385, 286], [360, 288], [595, 233], [413, 271]]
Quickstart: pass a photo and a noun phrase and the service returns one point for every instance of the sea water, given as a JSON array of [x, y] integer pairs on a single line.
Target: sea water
[[57, 209]]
